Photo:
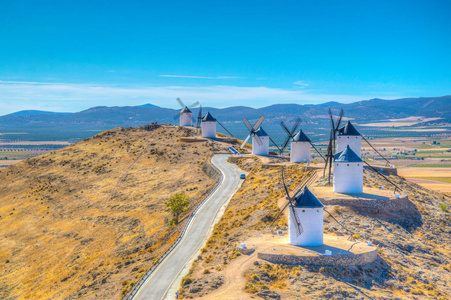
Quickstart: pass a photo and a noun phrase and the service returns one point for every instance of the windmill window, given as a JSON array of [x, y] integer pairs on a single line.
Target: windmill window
[[358, 164], [348, 165], [317, 210], [348, 137], [303, 210]]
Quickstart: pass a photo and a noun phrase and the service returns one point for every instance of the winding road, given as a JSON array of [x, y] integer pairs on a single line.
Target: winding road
[[165, 280]]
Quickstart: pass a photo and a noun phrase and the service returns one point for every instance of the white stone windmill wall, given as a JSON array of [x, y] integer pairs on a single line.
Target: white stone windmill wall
[[348, 172], [310, 214], [300, 152], [208, 129], [354, 142], [262, 149], [186, 119], [208, 126], [349, 136], [312, 223]]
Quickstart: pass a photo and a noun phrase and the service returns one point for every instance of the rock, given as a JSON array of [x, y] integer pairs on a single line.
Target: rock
[[195, 289], [268, 294]]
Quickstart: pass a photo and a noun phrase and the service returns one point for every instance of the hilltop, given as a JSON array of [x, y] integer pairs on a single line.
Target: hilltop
[[413, 246], [88, 220]]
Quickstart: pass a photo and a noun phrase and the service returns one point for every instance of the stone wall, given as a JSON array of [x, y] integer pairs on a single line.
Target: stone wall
[[401, 203], [384, 170], [321, 260]]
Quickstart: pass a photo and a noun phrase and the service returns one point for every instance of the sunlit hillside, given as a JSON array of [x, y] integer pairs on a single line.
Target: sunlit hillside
[[88, 219]]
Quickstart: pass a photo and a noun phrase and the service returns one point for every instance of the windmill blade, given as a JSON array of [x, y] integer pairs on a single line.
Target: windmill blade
[[299, 229], [193, 105], [284, 185], [259, 122], [375, 149], [285, 144], [331, 118], [258, 139], [339, 119], [382, 175], [177, 116], [245, 141], [286, 129], [180, 102], [313, 146], [280, 150], [279, 214], [298, 121], [248, 125], [224, 128], [199, 117]]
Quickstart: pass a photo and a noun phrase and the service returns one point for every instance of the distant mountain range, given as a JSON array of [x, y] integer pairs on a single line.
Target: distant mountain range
[[313, 116]]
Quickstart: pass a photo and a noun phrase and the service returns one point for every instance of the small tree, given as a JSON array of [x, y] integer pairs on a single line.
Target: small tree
[[177, 204]]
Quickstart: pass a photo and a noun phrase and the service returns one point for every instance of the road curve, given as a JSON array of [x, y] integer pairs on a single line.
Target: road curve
[[165, 280]]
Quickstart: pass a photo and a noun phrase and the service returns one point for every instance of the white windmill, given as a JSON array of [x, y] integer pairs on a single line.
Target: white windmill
[[300, 148], [185, 115], [348, 172], [349, 136], [208, 126], [260, 139], [300, 144], [305, 217]]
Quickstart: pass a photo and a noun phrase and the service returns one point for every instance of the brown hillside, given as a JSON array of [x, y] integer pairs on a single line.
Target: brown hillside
[[87, 220], [414, 248]]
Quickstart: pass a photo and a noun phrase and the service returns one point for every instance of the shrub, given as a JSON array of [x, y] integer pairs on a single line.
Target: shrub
[[187, 280], [443, 207]]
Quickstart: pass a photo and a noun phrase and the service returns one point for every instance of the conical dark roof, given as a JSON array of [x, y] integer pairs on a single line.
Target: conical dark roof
[[185, 110], [301, 137], [307, 199], [208, 118], [261, 132], [347, 155], [348, 129]]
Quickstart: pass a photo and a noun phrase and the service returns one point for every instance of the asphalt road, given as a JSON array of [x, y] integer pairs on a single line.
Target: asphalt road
[[165, 280]]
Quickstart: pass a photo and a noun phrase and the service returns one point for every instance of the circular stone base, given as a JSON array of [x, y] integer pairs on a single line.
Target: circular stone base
[[370, 198], [275, 249]]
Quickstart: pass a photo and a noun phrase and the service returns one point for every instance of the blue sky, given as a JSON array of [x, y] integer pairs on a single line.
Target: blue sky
[[72, 55]]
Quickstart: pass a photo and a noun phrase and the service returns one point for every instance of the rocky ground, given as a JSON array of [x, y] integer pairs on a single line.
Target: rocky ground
[[414, 253]]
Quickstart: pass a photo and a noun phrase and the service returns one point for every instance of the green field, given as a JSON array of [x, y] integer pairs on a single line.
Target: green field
[[430, 166], [442, 179]]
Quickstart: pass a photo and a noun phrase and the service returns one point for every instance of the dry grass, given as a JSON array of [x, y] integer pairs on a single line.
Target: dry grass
[[413, 248], [81, 221]]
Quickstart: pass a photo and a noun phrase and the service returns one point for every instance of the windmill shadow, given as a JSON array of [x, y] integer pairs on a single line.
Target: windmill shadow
[[357, 277], [364, 196]]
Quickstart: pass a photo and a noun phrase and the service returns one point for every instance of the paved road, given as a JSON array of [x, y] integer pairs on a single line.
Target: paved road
[[165, 280]]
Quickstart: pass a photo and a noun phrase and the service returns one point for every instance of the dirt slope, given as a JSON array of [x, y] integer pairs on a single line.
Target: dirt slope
[[87, 220]]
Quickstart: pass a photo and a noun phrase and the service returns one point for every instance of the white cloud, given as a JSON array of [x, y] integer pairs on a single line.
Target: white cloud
[[301, 84], [200, 77], [16, 95]]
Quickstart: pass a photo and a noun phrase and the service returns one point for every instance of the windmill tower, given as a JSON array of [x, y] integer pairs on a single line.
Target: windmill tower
[[349, 136], [348, 172], [300, 148], [300, 144], [305, 217], [185, 115], [260, 139], [208, 126], [309, 212], [262, 147]]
